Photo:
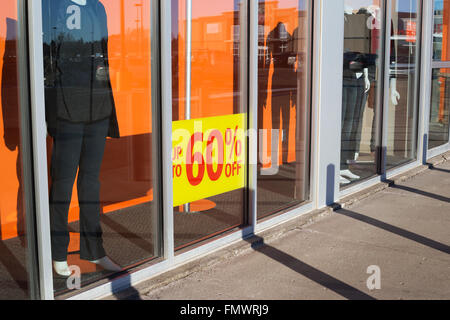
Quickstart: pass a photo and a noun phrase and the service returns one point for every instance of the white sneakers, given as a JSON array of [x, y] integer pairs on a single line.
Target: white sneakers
[[107, 264], [348, 174], [62, 268]]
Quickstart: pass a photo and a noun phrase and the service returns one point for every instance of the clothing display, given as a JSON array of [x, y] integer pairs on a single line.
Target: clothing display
[[358, 60], [80, 114], [78, 87], [77, 146]]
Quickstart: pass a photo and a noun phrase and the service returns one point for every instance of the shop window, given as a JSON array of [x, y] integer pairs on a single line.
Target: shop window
[[18, 263], [361, 92], [439, 111], [402, 110], [102, 136], [284, 64], [209, 113]]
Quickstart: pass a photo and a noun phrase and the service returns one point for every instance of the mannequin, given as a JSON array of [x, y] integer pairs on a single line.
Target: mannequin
[[80, 114], [356, 85], [395, 95]]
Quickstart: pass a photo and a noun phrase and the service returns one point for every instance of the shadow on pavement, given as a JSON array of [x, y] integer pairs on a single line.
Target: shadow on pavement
[[432, 167], [396, 230], [308, 271], [421, 192]]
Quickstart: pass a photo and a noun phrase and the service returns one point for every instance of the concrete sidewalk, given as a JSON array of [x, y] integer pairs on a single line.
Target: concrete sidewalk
[[402, 228]]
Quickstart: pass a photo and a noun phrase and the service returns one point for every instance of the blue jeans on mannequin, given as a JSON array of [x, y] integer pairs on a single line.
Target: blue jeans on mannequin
[[353, 101], [77, 147]]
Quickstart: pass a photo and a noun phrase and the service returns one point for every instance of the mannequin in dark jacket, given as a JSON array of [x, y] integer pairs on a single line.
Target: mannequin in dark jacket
[[80, 114]]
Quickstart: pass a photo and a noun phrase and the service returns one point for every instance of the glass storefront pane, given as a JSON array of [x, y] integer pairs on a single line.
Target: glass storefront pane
[[14, 236], [100, 115], [439, 113], [441, 45], [402, 109], [283, 104], [361, 92], [209, 113]]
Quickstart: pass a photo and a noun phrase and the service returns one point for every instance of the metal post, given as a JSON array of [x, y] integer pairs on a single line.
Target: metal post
[[39, 135], [166, 125], [253, 113]]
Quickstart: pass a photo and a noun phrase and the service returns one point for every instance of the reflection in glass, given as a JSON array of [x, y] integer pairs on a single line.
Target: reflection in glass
[[361, 90], [441, 45], [98, 86], [283, 105], [439, 113], [403, 108], [14, 273], [207, 85]]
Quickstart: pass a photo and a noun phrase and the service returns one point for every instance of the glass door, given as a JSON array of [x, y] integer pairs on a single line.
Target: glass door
[[18, 256], [362, 90], [209, 52], [401, 118], [440, 98], [284, 64], [102, 113]]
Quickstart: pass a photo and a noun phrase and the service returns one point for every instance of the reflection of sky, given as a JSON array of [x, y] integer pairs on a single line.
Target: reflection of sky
[[406, 5], [438, 4], [402, 5]]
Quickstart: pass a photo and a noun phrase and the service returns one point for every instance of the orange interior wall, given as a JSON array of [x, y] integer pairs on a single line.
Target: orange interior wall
[[445, 57], [9, 183], [212, 58], [130, 71]]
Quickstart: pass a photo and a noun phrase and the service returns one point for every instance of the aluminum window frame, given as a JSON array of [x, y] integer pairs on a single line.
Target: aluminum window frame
[[39, 135], [386, 173], [421, 103], [379, 113], [308, 205], [431, 64]]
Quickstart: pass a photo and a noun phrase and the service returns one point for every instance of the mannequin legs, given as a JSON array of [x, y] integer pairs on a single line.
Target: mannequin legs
[[77, 147], [353, 100]]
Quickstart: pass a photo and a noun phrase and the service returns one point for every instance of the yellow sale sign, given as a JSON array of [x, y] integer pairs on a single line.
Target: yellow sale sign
[[208, 157]]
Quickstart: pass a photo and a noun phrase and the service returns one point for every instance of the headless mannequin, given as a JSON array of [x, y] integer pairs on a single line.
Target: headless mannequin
[[61, 267], [346, 173]]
